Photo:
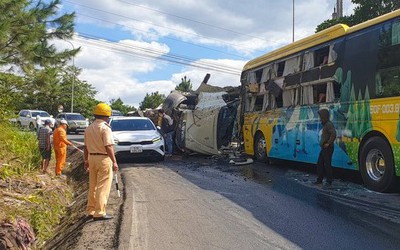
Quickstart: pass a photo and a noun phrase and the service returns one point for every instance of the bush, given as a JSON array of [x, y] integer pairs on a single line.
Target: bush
[[19, 152], [24, 192]]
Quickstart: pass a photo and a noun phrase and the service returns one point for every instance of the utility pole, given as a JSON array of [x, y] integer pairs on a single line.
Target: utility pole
[[73, 78], [338, 10], [293, 23]]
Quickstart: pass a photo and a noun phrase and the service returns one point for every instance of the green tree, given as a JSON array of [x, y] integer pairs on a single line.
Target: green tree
[[348, 20], [184, 86], [50, 87], [152, 100], [118, 104], [26, 28], [368, 9], [364, 11], [10, 95]]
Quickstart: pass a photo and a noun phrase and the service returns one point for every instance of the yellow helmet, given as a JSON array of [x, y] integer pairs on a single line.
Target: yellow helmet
[[102, 109]]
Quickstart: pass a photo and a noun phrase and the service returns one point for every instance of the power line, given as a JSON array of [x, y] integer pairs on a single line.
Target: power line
[[157, 55], [168, 28], [170, 38]]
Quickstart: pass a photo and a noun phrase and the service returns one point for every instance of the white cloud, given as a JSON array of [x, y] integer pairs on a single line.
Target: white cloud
[[212, 22], [247, 28], [112, 71], [196, 76]]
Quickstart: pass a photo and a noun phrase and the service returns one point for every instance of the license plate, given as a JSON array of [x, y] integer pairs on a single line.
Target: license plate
[[136, 149]]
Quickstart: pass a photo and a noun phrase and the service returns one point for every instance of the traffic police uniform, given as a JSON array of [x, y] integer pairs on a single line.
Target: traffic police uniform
[[97, 137]]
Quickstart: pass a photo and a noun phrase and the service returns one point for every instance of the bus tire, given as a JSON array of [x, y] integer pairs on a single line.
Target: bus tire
[[260, 149], [377, 165]]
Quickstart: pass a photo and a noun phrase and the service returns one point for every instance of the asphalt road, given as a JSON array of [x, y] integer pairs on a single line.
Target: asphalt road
[[200, 204]]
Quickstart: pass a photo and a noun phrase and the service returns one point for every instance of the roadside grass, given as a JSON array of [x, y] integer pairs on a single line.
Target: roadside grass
[[18, 151], [24, 191]]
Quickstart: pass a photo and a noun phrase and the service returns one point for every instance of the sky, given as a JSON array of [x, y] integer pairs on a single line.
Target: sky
[[133, 47]]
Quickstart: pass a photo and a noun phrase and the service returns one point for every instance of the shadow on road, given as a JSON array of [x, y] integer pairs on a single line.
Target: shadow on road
[[261, 189]]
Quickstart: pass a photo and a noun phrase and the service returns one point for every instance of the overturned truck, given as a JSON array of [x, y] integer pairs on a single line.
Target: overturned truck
[[205, 119]]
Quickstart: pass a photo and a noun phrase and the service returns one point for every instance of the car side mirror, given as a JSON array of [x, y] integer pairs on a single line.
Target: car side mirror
[[28, 116], [51, 116], [158, 128]]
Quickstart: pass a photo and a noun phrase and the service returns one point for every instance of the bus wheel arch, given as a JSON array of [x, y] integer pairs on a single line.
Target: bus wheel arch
[[376, 162], [260, 147]]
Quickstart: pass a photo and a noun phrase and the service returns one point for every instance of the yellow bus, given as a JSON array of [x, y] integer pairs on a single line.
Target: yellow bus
[[354, 72]]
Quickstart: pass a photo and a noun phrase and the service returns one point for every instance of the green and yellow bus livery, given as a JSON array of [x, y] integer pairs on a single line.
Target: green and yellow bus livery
[[354, 72]]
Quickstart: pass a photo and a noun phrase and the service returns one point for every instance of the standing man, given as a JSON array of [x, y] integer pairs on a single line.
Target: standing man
[[38, 124], [100, 162], [60, 145], [328, 136], [44, 134], [167, 130]]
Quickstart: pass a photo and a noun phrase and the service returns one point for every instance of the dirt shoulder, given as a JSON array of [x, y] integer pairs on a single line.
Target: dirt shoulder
[[75, 230]]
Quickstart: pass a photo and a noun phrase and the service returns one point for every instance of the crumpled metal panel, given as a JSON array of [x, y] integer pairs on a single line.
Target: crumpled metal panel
[[210, 100]]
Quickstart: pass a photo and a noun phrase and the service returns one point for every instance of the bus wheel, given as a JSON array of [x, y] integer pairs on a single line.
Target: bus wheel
[[260, 153], [377, 165]]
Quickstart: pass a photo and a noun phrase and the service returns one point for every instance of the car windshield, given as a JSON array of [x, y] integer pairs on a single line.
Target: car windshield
[[132, 125], [75, 117], [40, 113]]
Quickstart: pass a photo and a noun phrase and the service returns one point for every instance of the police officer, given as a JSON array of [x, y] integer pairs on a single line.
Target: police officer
[[100, 162]]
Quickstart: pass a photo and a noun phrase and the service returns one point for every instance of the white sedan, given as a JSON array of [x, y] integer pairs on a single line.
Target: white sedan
[[137, 137]]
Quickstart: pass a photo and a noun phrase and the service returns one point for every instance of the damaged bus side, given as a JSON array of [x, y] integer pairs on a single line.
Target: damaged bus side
[[350, 71]]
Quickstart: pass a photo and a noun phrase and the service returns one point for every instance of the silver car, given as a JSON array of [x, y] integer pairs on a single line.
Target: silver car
[[136, 137], [76, 122]]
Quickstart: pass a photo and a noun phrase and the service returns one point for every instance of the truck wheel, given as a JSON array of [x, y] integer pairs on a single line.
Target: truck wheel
[[260, 148], [377, 165], [19, 124]]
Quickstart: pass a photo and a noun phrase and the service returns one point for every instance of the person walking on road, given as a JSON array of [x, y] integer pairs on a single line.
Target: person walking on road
[[100, 161], [60, 145], [328, 136], [167, 130], [44, 134]]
